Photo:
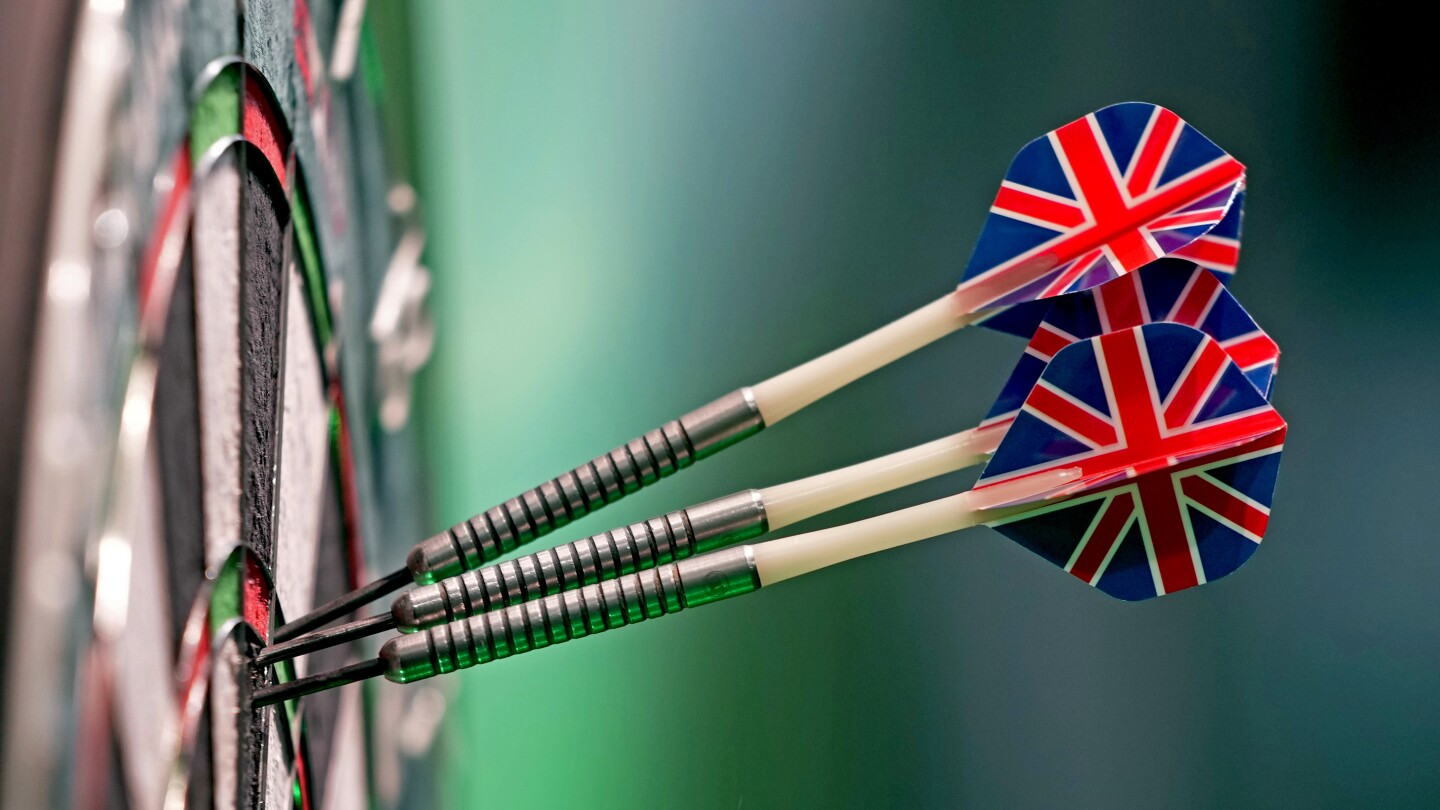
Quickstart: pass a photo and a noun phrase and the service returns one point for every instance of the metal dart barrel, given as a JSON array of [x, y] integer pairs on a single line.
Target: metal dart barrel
[[640, 546], [568, 615], [605, 479], [659, 540]]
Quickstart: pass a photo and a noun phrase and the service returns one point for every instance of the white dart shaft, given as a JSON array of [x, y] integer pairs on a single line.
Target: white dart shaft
[[788, 392], [654, 592], [779, 560], [678, 535], [789, 557], [795, 501]]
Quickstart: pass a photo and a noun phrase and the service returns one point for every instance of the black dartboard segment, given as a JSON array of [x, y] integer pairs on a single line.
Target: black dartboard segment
[[264, 216], [177, 436]]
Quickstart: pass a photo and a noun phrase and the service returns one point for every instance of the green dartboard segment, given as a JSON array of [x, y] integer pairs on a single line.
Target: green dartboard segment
[[217, 112]]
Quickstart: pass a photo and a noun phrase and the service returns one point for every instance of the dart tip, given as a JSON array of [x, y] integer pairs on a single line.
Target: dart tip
[[323, 639], [319, 682], [335, 608]]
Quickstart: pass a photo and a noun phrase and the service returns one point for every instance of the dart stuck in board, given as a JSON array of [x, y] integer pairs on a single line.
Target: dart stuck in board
[[1091, 201], [1170, 291], [1143, 463]]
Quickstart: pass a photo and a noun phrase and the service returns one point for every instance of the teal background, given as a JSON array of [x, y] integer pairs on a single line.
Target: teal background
[[635, 207]]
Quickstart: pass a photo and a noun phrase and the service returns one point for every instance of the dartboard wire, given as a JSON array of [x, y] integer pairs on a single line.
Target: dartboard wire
[[291, 716], [282, 340], [278, 613]]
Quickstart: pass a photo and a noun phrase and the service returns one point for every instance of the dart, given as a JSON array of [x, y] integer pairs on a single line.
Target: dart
[[1164, 291], [645, 544], [1090, 201], [1142, 463]]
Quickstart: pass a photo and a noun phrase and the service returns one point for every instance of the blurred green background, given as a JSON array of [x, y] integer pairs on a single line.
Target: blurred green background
[[679, 198]]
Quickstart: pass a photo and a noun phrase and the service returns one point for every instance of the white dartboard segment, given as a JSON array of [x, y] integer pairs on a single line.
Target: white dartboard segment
[[304, 442], [217, 346]]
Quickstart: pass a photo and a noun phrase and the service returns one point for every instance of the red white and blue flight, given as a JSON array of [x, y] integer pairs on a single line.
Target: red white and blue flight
[[1178, 454], [1167, 290], [1098, 198]]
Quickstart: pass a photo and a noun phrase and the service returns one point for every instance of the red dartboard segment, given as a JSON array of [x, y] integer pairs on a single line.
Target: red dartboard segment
[[262, 126]]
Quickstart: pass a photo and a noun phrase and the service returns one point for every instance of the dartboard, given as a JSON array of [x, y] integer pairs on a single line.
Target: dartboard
[[229, 313]]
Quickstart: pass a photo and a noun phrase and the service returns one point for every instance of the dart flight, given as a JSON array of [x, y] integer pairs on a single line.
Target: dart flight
[[1177, 449], [1164, 291]]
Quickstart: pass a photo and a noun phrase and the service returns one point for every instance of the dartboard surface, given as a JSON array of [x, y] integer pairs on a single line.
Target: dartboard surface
[[228, 318]]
